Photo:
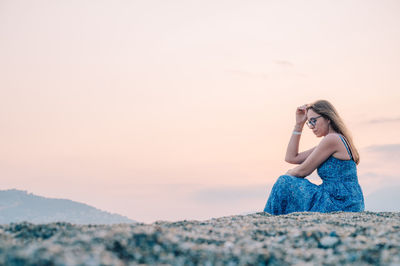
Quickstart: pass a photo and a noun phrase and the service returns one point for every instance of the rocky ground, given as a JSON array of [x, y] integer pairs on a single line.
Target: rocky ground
[[255, 239]]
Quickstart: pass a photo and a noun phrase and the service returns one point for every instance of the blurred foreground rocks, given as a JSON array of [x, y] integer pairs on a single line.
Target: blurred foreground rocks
[[303, 238]]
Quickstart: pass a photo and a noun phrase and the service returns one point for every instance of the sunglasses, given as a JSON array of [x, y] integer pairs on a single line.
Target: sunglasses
[[312, 121]]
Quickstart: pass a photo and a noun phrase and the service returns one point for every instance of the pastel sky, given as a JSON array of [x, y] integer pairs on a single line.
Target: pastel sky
[[182, 109]]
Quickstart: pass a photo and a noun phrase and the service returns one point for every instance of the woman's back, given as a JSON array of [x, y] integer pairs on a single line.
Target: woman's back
[[340, 181], [336, 169]]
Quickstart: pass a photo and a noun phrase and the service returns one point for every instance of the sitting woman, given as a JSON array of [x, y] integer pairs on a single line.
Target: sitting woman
[[335, 159]]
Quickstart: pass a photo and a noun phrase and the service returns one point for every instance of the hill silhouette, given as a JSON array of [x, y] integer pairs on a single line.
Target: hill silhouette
[[18, 206]]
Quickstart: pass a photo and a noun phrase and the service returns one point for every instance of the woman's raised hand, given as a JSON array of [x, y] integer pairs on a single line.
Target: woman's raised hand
[[301, 114]]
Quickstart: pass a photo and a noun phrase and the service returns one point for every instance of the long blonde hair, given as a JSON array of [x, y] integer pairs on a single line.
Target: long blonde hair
[[326, 110]]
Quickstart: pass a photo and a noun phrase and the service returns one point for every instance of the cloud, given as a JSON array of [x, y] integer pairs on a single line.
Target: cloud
[[248, 74], [384, 120], [229, 194], [372, 181], [265, 76], [389, 151], [384, 199], [284, 63], [383, 161]]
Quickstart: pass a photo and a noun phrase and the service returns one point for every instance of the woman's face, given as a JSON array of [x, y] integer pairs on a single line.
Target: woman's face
[[321, 127]]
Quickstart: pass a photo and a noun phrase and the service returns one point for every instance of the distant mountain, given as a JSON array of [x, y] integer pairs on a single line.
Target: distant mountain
[[18, 206], [384, 199]]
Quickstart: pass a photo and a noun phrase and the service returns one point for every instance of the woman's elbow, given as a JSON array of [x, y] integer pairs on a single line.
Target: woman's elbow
[[288, 160]]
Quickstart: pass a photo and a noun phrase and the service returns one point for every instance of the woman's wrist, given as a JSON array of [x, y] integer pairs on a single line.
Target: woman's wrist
[[298, 127]]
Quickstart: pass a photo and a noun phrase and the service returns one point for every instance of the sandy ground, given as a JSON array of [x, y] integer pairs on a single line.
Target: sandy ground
[[302, 238]]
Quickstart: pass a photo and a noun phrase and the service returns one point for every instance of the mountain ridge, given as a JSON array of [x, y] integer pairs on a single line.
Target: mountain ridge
[[20, 205]]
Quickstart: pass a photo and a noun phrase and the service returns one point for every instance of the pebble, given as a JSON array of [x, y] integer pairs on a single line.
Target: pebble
[[328, 241]]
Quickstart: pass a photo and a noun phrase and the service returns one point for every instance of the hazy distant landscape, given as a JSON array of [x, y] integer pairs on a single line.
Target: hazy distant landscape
[[19, 206]]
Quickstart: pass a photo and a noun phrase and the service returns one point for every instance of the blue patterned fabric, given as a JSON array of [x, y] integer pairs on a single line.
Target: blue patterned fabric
[[339, 191]]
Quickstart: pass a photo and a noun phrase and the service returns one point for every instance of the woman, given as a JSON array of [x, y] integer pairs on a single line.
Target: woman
[[335, 159]]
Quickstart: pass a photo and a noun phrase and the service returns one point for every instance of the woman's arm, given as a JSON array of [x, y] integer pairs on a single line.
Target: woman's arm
[[325, 148], [301, 157], [292, 151], [293, 147]]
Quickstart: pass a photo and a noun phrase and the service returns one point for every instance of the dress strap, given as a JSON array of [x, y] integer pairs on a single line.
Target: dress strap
[[347, 148]]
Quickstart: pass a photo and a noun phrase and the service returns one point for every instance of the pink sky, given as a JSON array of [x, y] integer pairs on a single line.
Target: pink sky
[[167, 110]]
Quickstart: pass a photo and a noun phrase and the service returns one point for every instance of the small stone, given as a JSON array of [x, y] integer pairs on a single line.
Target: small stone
[[333, 233], [328, 241]]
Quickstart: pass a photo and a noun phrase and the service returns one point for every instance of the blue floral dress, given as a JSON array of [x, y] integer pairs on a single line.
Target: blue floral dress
[[339, 191]]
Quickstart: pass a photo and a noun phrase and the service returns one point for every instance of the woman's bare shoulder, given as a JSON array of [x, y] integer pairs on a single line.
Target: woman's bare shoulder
[[334, 135], [332, 138]]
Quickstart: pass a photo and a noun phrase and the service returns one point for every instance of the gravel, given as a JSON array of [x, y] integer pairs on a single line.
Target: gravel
[[302, 238]]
